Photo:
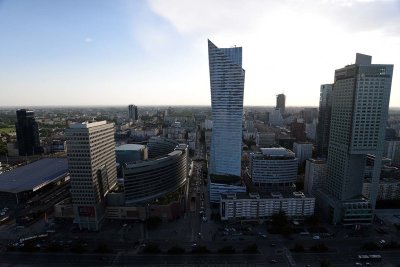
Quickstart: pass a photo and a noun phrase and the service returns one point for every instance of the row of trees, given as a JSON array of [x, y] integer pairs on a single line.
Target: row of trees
[[155, 249]]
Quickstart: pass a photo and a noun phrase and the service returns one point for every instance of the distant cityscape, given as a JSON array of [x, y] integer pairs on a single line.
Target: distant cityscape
[[207, 185]]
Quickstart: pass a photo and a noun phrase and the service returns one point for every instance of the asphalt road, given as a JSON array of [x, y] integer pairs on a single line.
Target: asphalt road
[[122, 259]]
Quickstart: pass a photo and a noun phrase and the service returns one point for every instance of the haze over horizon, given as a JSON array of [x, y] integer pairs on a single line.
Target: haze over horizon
[[113, 53]]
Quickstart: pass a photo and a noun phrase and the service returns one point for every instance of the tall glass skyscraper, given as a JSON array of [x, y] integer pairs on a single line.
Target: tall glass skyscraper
[[360, 105], [227, 88], [324, 119]]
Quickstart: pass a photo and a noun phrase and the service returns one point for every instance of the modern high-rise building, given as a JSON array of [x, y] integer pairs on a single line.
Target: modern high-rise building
[[281, 102], [324, 119], [315, 174], [303, 151], [298, 131], [360, 104], [132, 112], [227, 88], [27, 133], [92, 167]]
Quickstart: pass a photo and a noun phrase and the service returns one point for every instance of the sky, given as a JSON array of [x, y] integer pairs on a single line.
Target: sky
[[120, 52]]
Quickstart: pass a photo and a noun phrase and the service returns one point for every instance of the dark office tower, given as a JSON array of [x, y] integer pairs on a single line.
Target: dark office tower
[[324, 119], [132, 112], [280, 102], [360, 102], [298, 131], [27, 133]]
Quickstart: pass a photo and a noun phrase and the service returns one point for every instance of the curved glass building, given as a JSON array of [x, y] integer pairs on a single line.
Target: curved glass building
[[147, 180]]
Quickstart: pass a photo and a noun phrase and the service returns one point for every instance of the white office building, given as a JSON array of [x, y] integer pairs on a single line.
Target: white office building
[[92, 167], [273, 167], [254, 206]]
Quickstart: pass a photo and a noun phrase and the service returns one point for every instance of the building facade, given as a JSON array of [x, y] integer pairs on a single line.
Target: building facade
[[133, 113], [27, 133], [298, 131], [129, 153], [392, 151], [91, 162], [315, 175], [255, 207], [144, 181], [281, 103], [265, 139], [227, 88], [360, 104], [389, 189], [303, 151], [158, 146], [324, 119], [273, 167]]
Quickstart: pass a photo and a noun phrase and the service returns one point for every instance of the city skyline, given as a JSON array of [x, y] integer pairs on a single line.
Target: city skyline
[[114, 53]]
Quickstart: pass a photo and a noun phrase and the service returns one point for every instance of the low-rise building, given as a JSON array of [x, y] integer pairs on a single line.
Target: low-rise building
[[220, 184], [254, 206], [273, 166]]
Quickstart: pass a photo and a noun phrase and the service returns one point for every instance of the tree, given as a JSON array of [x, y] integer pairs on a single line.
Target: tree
[[251, 249], [3, 149], [280, 223], [226, 250], [200, 250], [319, 248], [370, 246], [153, 223], [297, 248], [325, 263], [313, 220], [151, 249], [176, 250], [103, 248]]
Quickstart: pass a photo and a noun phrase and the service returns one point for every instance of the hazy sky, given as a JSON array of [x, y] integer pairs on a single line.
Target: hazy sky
[[97, 52]]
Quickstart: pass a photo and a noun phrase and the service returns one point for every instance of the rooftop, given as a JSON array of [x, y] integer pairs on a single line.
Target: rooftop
[[86, 124], [272, 195], [276, 152], [34, 175], [225, 179], [134, 147]]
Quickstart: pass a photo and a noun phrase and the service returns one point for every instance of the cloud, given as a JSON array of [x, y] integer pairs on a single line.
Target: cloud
[[88, 40], [290, 45]]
